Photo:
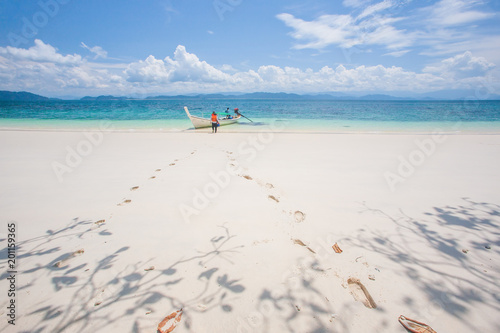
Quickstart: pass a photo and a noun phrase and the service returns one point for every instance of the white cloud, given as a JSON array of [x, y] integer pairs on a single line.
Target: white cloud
[[461, 66], [228, 68], [97, 50], [355, 3], [445, 27], [184, 66], [397, 54], [446, 13], [452, 26], [188, 67], [42, 68], [346, 31], [370, 10], [151, 70], [41, 52], [38, 70]]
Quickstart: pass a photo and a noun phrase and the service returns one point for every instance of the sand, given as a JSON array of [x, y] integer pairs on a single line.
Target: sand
[[116, 231]]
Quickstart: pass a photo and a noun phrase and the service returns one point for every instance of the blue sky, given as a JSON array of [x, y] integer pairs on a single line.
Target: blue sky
[[145, 47]]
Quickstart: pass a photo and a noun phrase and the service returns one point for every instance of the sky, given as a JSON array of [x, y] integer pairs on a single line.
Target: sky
[[140, 48]]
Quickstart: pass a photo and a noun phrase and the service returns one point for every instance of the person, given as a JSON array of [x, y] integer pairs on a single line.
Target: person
[[215, 122], [228, 115]]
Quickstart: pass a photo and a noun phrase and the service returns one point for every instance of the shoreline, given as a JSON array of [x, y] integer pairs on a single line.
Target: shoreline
[[283, 126]]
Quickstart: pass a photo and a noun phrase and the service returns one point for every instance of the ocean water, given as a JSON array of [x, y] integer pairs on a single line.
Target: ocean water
[[291, 115]]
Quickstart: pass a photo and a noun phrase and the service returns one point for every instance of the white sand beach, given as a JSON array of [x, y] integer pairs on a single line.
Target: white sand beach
[[115, 231]]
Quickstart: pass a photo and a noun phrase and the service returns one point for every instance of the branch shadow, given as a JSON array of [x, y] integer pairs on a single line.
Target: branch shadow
[[296, 298], [93, 291], [450, 274]]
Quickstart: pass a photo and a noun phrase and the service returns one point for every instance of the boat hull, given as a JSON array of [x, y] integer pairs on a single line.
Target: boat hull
[[199, 122]]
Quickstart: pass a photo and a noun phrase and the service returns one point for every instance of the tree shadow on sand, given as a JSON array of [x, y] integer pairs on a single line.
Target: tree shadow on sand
[[297, 297], [446, 275], [92, 296], [299, 304], [451, 264]]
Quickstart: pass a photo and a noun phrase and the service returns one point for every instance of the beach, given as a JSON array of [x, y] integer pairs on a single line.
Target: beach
[[236, 232]]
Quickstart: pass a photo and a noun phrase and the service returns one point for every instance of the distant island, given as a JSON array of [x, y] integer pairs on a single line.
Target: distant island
[[442, 95], [250, 96], [22, 96], [103, 98]]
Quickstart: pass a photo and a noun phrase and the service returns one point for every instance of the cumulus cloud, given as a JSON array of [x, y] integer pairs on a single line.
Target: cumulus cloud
[[184, 66], [40, 52], [461, 66], [150, 70], [188, 67], [41, 69]]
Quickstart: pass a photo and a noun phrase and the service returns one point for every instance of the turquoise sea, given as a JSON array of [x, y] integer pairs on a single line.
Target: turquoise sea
[[297, 115]]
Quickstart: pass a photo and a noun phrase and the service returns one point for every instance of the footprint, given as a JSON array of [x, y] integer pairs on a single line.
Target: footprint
[[269, 185], [158, 170], [134, 188], [99, 222], [247, 177], [126, 201], [360, 293], [102, 295], [272, 197], [152, 177], [64, 262], [171, 164], [299, 242], [299, 216]]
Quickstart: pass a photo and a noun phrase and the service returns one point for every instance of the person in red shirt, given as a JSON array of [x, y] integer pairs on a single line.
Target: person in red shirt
[[215, 122]]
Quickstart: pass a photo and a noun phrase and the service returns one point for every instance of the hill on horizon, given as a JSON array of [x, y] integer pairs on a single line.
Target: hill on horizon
[[22, 96], [445, 95]]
